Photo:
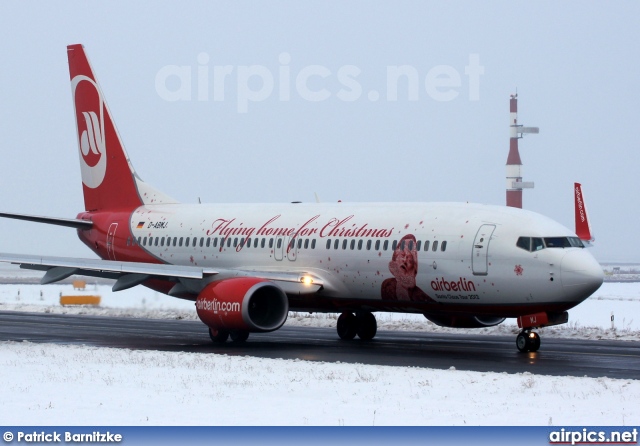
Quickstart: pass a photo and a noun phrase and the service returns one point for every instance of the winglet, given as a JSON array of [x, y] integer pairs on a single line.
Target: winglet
[[583, 228]]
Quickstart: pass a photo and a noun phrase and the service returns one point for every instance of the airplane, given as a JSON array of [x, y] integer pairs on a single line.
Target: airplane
[[245, 266]]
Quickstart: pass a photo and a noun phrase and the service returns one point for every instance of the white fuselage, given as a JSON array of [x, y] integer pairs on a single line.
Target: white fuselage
[[463, 254]]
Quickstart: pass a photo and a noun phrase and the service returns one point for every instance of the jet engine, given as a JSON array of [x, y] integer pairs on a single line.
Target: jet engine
[[243, 303], [457, 321]]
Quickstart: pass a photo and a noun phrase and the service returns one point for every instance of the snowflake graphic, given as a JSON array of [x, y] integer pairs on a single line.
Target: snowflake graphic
[[518, 270]]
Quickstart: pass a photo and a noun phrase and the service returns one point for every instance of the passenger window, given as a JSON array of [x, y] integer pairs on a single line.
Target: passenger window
[[426, 245], [235, 242], [329, 244], [270, 243], [262, 243], [524, 243], [228, 243], [139, 240], [394, 245], [156, 242], [279, 245], [418, 244], [215, 242], [344, 244], [300, 243], [201, 242], [208, 242], [443, 246], [435, 245], [410, 245], [255, 242], [377, 245], [186, 241], [368, 245], [359, 245], [306, 244], [144, 241], [162, 241], [353, 244], [336, 244], [385, 245], [313, 244], [180, 241]]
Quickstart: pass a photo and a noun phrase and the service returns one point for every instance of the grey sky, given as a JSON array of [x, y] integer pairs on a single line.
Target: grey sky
[[575, 65]]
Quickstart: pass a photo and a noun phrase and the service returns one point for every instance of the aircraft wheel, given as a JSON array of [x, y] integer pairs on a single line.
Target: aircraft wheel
[[367, 326], [239, 335], [347, 326], [534, 341], [218, 336], [522, 343]]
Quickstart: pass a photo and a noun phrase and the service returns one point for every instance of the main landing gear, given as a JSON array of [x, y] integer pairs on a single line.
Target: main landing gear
[[363, 324], [221, 336], [528, 341]]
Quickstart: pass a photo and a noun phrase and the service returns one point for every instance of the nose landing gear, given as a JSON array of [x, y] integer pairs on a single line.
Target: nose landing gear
[[528, 341]]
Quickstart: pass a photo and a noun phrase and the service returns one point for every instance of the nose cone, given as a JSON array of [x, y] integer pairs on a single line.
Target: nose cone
[[581, 274]]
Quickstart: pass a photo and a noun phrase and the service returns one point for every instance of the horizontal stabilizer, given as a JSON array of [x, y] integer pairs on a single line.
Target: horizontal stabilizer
[[68, 222]]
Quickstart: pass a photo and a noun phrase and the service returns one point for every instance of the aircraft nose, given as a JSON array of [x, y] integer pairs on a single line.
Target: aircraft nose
[[582, 275]]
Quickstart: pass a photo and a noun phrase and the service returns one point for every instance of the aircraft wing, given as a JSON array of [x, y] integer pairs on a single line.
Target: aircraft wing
[[130, 274]]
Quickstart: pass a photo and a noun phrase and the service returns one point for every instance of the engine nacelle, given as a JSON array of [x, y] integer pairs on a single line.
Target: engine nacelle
[[455, 321], [243, 303]]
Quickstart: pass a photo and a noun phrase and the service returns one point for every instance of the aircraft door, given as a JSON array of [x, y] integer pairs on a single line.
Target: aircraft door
[[111, 234], [480, 250], [278, 248], [292, 249]]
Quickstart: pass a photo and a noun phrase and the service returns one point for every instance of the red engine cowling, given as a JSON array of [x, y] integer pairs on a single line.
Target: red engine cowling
[[455, 321], [243, 303]]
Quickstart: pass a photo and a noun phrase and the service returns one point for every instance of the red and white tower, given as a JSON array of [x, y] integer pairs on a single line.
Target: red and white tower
[[514, 164]]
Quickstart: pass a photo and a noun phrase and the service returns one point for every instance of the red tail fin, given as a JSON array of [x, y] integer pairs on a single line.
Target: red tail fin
[[583, 228], [108, 179]]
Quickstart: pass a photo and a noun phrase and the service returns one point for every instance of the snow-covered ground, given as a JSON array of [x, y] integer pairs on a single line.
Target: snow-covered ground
[[76, 385]]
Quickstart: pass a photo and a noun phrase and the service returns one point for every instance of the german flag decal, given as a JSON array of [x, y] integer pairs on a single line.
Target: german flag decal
[[140, 225]]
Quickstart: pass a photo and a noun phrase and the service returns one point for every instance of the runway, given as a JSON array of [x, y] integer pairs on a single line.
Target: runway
[[560, 357]]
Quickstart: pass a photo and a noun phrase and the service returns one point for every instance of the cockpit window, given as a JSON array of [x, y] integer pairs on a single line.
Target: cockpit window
[[534, 244], [563, 242], [524, 243]]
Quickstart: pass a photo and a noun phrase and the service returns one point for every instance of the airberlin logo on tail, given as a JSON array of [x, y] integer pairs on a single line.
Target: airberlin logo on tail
[[89, 107]]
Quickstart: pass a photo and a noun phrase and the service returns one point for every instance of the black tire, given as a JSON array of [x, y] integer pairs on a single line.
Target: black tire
[[522, 342], [367, 326], [218, 336], [347, 326], [239, 335], [534, 342]]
